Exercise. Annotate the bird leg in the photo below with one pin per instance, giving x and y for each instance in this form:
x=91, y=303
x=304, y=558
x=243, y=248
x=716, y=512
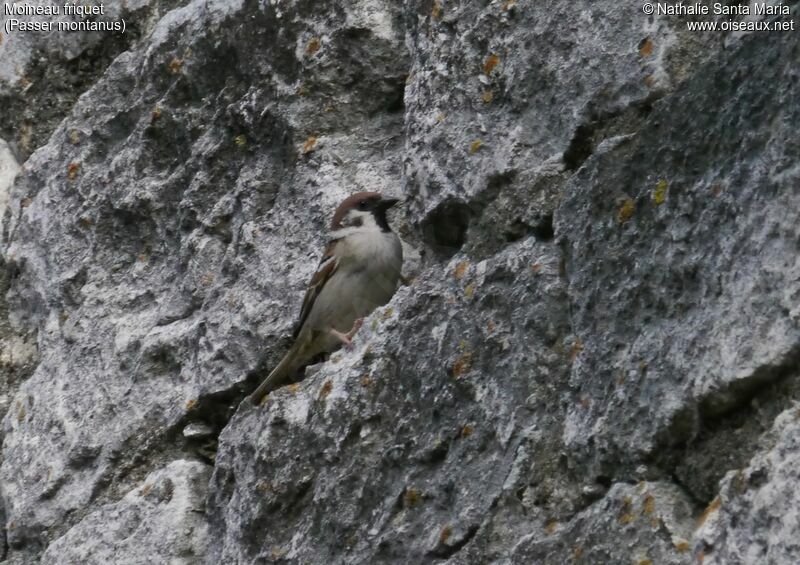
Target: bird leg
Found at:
x=347, y=339
x=356, y=326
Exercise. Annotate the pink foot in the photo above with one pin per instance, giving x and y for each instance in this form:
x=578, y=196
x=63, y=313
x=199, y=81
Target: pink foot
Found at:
x=356, y=326
x=347, y=339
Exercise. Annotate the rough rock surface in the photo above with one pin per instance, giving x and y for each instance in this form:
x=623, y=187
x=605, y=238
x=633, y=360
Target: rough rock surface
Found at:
x=600, y=339
x=160, y=522
x=755, y=516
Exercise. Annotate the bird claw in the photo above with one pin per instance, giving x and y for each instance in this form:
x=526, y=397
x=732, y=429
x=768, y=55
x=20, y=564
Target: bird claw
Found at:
x=356, y=326
x=347, y=339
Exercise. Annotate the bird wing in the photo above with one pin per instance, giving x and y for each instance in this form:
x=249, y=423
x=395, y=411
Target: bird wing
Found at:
x=327, y=266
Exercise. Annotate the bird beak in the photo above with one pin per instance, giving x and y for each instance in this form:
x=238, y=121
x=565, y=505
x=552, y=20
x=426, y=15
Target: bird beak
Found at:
x=387, y=203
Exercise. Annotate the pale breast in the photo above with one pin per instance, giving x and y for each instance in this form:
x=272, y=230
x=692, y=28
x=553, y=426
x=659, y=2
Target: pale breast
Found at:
x=366, y=277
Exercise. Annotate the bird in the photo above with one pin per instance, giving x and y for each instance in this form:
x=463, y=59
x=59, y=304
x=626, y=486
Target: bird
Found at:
x=360, y=270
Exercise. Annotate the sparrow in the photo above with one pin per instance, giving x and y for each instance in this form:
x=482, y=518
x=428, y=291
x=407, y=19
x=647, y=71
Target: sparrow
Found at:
x=359, y=271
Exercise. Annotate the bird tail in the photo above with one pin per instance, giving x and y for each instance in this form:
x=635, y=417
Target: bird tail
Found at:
x=278, y=375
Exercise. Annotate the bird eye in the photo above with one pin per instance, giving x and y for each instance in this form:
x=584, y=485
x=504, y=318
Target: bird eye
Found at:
x=362, y=205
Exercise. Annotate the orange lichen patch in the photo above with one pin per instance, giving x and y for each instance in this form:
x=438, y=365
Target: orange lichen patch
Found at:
x=314, y=44
x=240, y=140
x=551, y=526
x=644, y=561
x=263, y=486
x=716, y=189
x=626, y=211
x=508, y=4
x=278, y=554
x=461, y=270
x=26, y=137
x=649, y=81
x=366, y=381
x=462, y=364
x=445, y=534
x=660, y=193
x=293, y=388
x=576, y=349
x=625, y=518
x=646, y=47
x=411, y=497
x=142, y=257
x=475, y=146
x=740, y=482
x=490, y=63
x=536, y=267
x=85, y=222
x=649, y=505
x=681, y=545
x=490, y=326
x=487, y=96
x=578, y=552
x=710, y=509
x=467, y=431
x=25, y=202
x=72, y=170
x=625, y=515
x=309, y=144
x=175, y=65
x=585, y=402
x=469, y=291
x=325, y=390
x=191, y=404
x=436, y=11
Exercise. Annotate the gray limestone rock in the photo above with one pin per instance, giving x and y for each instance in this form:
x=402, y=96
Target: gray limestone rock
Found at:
x=42, y=73
x=602, y=321
x=680, y=245
x=161, y=521
x=755, y=516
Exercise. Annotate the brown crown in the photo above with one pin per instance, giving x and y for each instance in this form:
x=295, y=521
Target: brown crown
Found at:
x=349, y=203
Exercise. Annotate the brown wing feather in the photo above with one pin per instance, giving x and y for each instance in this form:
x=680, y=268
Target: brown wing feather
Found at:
x=315, y=285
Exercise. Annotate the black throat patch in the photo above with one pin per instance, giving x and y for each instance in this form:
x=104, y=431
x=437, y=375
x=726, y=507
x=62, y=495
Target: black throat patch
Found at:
x=380, y=219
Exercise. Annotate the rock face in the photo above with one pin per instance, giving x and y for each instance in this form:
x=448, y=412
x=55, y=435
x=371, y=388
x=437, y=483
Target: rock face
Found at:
x=596, y=359
x=160, y=522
